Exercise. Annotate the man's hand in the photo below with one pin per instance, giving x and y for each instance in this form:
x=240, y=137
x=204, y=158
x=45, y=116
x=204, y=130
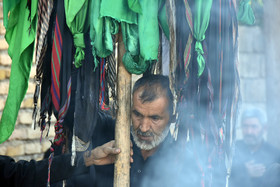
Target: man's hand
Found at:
x=255, y=170
x=104, y=154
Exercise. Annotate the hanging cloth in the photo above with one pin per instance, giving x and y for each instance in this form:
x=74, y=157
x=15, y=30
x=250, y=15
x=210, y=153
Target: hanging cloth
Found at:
x=61, y=65
x=148, y=30
x=142, y=40
x=188, y=48
x=139, y=21
x=162, y=17
x=44, y=13
x=245, y=13
x=119, y=10
x=86, y=103
x=8, y=5
x=131, y=58
x=20, y=35
x=76, y=15
x=101, y=31
x=201, y=20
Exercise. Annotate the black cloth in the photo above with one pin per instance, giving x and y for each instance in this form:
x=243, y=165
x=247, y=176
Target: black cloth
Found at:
x=103, y=133
x=266, y=155
x=169, y=166
x=87, y=96
x=35, y=173
x=150, y=172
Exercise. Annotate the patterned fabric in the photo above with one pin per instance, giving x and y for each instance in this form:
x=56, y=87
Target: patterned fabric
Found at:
x=55, y=66
x=187, y=52
x=102, y=99
x=44, y=14
x=61, y=62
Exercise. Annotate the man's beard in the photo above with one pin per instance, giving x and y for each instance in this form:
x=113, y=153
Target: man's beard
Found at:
x=252, y=140
x=148, y=145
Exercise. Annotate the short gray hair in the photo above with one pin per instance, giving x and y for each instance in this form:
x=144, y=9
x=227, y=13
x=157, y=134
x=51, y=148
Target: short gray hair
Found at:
x=254, y=113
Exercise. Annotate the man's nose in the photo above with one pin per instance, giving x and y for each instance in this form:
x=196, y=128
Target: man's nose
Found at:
x=249, y=130
x=145, y=125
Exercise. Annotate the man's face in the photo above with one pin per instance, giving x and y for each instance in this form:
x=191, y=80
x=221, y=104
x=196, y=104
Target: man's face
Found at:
x=150, y=121
x=252, y=131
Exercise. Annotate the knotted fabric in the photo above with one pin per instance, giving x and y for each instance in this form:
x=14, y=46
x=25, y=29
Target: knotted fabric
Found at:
x=76, y=14
x=201, y=20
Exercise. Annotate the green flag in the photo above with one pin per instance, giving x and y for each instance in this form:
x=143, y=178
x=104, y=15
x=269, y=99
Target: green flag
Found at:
x=20, y=35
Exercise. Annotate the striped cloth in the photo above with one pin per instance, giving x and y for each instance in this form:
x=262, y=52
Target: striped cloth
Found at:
x=45, y=8
x=102, y=99
x=188, y=52
x=55, y=66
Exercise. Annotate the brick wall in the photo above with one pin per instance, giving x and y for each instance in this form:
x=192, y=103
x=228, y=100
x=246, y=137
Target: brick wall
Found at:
x=252, y=68
x=24, y=143
x=259, y=72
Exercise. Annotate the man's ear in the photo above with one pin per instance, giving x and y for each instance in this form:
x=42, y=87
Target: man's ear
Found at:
x=264, y=127
x=172, y=119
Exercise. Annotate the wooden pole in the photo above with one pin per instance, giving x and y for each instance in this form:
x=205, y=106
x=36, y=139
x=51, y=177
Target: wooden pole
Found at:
x=122, y=132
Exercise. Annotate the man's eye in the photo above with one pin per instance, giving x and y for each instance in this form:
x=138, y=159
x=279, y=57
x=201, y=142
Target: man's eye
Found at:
x=137, y=114
x=155, y=118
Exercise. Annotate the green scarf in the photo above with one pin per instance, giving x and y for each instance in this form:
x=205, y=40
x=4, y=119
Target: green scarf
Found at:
x=20, y=35
x=245, y=13
x=101, y=31
x=76, y=14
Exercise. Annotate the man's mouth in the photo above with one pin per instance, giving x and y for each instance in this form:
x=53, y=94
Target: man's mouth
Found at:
x=147, y=136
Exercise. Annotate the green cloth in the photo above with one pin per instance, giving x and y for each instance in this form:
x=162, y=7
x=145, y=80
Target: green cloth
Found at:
x=163, y=20
x=101, y=30
x=245, y=12
x=139, y=22
x=132, y=61
x=20, y=35
x=8, y=5
x=135, y=6
x=139, y=55
x=119, y=10
x=201, y=20
x=76, y=15
x=148, y=30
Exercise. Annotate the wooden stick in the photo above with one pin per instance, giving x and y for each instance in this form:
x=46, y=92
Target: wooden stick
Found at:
x=122, y=132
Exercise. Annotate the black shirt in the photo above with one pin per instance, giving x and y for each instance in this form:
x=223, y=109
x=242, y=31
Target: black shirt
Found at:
x=266, y=155
x=35, y=173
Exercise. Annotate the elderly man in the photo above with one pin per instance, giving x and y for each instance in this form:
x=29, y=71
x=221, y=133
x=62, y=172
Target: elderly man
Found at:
x=255, y=161
x=154, y=159
x=151, y=116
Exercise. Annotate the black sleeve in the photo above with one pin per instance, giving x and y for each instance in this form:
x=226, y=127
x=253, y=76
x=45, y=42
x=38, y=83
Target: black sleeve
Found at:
x=35, y=173
x=21, y=173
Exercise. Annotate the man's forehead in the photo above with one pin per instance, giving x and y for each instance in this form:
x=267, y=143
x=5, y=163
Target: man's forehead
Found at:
x=251, y=121
x=157, y=91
